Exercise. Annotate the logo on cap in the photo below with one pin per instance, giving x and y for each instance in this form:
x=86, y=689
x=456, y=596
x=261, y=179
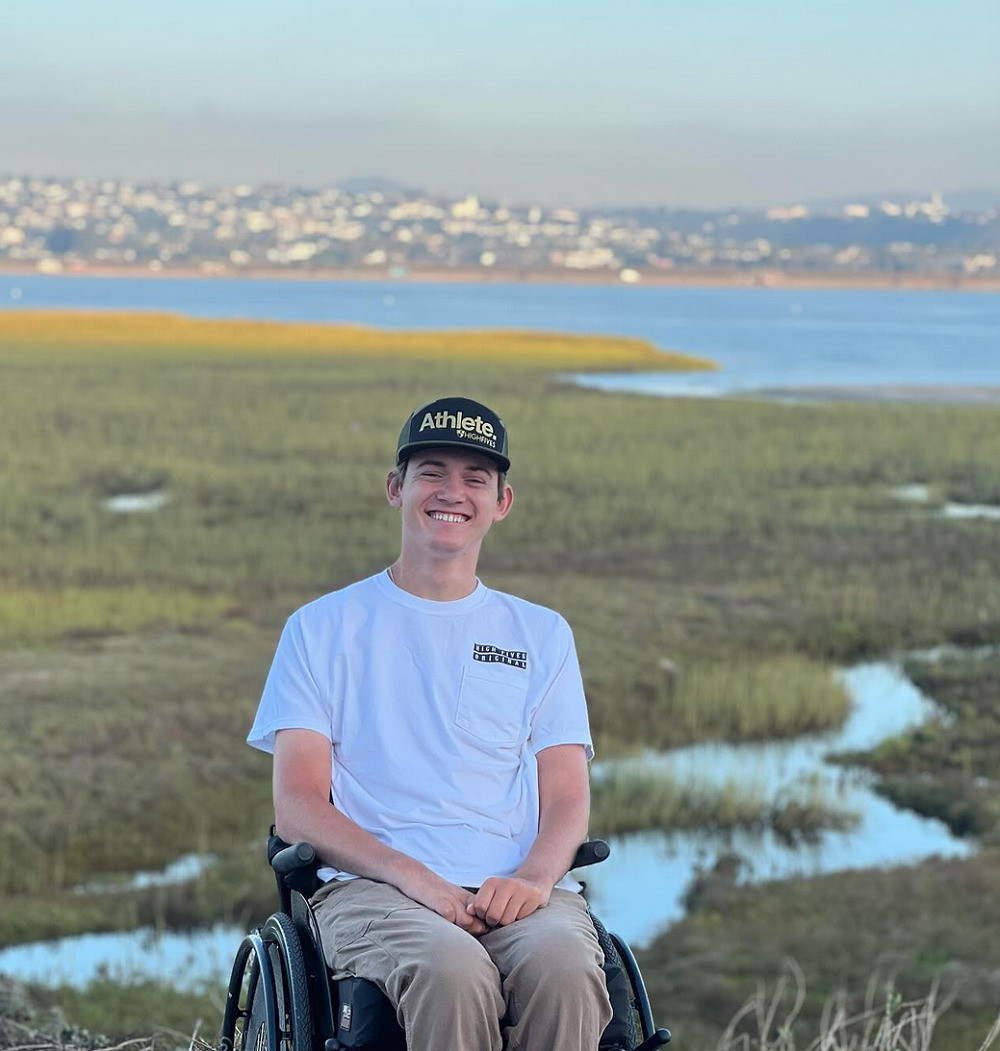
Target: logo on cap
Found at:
x=473, y=427
x=459, y=422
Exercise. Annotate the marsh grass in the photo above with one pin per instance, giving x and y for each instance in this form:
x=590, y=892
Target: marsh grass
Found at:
x=737, y=699
x=124, y=752
x=30, y=615
x=750, y=545
x=884, y=1022
x=139, y=333
x=754, y=546
x=624, y=801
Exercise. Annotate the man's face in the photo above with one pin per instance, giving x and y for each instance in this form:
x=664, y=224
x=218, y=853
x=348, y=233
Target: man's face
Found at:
x=448, y=499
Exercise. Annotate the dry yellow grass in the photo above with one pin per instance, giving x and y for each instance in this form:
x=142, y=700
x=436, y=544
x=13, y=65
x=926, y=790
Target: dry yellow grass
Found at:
x=138, y=332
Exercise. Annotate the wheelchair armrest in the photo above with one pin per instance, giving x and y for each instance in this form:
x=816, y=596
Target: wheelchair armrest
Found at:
x=590, y=852
x=295, y=866
x=290, y=859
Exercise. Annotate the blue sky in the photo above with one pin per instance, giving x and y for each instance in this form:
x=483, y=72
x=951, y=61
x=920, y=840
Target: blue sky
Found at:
x=650, y=101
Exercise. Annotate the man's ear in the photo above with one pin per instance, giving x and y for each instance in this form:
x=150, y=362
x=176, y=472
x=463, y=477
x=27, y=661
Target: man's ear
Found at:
x=504, y=504
x=392, y=490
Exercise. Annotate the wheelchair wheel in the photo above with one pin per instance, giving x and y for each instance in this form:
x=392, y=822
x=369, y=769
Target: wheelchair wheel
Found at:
x=267, y=1008
x=623, y=1031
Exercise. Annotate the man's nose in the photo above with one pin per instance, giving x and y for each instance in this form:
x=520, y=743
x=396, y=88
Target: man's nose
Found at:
x=450, y=490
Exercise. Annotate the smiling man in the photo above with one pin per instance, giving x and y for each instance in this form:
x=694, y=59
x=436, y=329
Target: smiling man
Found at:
x=447, y=724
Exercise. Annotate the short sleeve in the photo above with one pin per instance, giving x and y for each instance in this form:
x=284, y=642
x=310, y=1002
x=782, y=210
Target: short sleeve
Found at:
x=292, y=698
x=561, y=715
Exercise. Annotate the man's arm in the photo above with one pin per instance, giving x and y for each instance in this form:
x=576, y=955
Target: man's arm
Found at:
x=563, y=814
x=302, y=810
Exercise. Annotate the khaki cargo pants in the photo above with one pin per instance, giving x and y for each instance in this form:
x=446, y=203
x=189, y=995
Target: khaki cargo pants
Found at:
x=534, y=985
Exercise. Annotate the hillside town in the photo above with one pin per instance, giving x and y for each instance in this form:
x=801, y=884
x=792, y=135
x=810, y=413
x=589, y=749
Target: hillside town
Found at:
x=66, y=225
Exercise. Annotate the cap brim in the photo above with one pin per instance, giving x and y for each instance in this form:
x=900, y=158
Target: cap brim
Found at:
x=408, y=450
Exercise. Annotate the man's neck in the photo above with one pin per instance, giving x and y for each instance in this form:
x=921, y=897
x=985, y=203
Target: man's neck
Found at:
x=443, y=581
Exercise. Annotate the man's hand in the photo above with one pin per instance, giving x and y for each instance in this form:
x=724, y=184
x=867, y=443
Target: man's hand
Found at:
x=503, y=899
x=444, y=898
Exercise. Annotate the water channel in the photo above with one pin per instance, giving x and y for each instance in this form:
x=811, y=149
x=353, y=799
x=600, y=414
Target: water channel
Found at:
x=641, y=888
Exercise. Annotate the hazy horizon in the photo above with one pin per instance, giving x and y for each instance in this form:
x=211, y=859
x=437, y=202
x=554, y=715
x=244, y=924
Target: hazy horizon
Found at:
x=645, y=104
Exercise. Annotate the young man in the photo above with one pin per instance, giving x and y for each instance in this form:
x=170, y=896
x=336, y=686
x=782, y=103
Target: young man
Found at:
x=447, y=723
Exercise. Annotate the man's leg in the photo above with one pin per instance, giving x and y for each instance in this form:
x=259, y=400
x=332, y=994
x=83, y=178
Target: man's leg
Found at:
x=440, y=978
x=552, y=978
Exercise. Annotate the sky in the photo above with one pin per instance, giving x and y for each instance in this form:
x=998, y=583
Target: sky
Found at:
x=623, y=102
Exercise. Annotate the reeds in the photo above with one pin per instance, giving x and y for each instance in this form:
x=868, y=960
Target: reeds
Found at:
x=624, y=801
x=885, y=1022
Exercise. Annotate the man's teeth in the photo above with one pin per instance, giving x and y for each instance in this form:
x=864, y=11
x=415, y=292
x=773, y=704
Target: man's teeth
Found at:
x=440, y=516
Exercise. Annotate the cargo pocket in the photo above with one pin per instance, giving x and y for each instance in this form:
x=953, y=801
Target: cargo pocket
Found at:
x=491, y=708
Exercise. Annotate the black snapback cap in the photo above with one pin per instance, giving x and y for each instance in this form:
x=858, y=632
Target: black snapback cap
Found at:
x=459, y=422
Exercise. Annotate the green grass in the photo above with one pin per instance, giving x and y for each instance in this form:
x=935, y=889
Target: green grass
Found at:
x=29, y=615
x=123, y=752
x=741, y=698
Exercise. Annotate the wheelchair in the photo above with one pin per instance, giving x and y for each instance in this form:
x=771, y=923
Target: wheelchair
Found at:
x=282, y=996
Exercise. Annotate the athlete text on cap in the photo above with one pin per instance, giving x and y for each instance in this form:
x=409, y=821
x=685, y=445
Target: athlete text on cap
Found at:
x=441, y=420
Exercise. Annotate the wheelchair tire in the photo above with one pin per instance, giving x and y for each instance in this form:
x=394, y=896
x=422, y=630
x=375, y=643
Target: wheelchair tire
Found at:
x=276, y=984
x=622, y=1032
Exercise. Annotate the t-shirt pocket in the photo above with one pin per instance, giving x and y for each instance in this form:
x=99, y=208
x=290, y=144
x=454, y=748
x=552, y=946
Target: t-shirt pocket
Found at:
x=491, y=708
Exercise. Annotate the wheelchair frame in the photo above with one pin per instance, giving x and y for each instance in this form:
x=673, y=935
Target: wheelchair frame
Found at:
x=282, y=998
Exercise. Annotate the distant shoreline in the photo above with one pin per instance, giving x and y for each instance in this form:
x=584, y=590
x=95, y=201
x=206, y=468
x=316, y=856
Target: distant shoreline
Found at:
x=721, y=278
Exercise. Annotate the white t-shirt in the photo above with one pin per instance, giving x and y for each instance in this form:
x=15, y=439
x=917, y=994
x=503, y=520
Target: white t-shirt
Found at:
x=435, y=711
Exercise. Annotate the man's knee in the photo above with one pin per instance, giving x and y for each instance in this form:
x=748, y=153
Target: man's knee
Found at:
x=564, y=965
x=557, y=973
x=454, y=969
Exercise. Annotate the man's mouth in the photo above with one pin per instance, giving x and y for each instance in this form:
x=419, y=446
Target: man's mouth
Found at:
x=448, y=516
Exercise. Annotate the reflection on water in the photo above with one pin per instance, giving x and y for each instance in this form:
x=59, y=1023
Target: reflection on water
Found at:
x=188, y=961
x=641, y=888
x=916, y=493
x=971, y=511
x=131, y=503
x=921, y=494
